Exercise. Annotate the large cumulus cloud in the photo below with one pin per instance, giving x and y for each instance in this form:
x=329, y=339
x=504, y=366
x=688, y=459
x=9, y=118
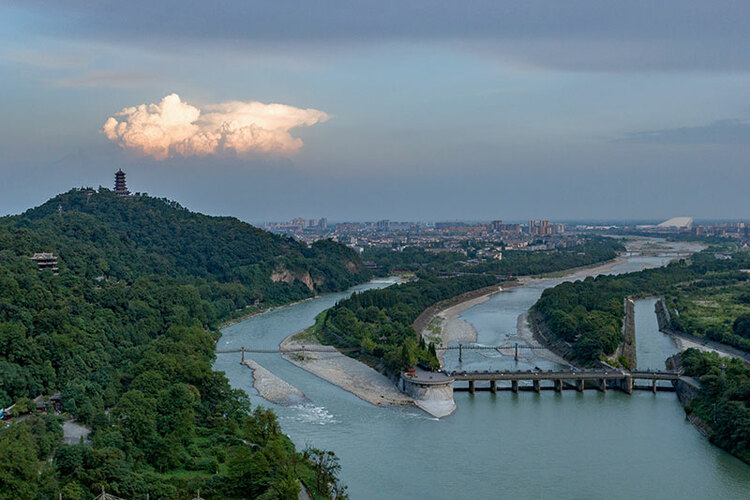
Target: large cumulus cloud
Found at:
x=173, y=127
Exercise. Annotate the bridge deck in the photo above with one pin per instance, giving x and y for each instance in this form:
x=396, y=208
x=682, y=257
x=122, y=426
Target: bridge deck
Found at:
x=565, y=387
x=563, y=375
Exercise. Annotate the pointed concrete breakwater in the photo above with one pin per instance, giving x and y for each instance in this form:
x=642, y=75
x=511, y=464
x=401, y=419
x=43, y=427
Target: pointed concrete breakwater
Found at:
x=432, y=391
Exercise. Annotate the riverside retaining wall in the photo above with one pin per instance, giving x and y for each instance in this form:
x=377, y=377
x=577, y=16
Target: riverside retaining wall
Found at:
x=628, y=329
x=663, y=318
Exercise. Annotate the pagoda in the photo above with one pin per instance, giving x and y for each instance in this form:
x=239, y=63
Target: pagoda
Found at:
x=121, y=187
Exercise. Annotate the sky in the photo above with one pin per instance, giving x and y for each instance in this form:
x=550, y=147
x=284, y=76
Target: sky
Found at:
x=362, y=110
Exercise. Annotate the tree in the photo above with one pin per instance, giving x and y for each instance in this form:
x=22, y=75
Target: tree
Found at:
x=741, y=326
x=408, y=359
x=136, y=414
x=18, y=463
x=326, y=466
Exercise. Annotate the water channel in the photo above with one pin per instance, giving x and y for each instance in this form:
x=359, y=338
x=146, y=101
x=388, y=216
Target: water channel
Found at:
x=568, y=445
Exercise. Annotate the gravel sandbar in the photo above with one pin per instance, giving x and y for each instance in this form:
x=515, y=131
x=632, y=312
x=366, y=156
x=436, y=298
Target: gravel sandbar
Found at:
x=345, y=372
x=272, y=388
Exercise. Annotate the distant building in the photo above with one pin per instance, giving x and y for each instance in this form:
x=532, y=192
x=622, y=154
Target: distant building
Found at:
x=540, y=227
x=677, y=223
x=347, y=227
x=46, y=260
x=510, y=228
x=496, y=225
x=383, y=225
x=121, y=187
x=446, y=225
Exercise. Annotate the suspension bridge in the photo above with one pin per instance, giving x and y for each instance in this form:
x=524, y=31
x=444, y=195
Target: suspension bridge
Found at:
x=344, y=350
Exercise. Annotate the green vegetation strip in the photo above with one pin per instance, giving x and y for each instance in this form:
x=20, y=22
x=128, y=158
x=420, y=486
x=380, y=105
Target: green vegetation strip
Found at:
x=723, y=403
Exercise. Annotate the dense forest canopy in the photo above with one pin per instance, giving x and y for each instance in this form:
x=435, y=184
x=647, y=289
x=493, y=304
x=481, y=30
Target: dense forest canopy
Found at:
x=126, y=334
x=724, y=399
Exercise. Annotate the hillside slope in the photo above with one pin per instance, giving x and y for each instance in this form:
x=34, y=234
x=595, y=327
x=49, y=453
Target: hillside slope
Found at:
x=100, y=233
x=126, y=333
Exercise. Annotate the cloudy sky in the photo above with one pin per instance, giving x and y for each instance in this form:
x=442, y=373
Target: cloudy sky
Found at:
x=417, y=110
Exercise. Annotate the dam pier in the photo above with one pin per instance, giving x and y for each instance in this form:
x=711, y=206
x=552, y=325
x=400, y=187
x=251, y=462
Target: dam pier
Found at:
x=560, y=380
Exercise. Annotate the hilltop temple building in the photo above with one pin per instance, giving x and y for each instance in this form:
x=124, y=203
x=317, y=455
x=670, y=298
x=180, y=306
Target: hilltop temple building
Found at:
x=46, y=260
x=121, y=187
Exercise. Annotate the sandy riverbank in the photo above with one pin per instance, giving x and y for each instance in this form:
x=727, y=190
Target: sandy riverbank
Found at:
x=527, y=335
x=272, y=388
x=343, y=371
x=453, y=329
x=709, y=346
x=445, y=325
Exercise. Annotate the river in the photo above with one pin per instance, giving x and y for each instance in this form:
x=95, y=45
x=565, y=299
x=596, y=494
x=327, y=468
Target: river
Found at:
x=527, y=445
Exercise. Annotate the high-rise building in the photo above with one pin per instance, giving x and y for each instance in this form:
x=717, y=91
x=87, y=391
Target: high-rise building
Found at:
x=121, y=187
x=540, y=227
x=496, y=225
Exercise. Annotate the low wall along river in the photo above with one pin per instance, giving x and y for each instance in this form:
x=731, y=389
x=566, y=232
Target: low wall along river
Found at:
x=525, y=445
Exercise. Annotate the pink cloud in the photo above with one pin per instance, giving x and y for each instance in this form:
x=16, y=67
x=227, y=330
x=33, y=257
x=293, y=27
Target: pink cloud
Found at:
x=173, y=127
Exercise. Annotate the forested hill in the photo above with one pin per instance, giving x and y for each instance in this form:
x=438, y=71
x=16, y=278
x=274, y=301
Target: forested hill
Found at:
x=100, y=234
x=125, y=333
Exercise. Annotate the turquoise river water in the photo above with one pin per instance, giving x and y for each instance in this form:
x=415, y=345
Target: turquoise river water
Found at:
x=526, y=445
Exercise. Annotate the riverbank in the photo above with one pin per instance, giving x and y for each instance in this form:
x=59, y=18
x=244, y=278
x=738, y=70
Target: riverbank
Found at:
x=686, y=340
x=342, y=371
x=442, y=324
x=526, y=333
